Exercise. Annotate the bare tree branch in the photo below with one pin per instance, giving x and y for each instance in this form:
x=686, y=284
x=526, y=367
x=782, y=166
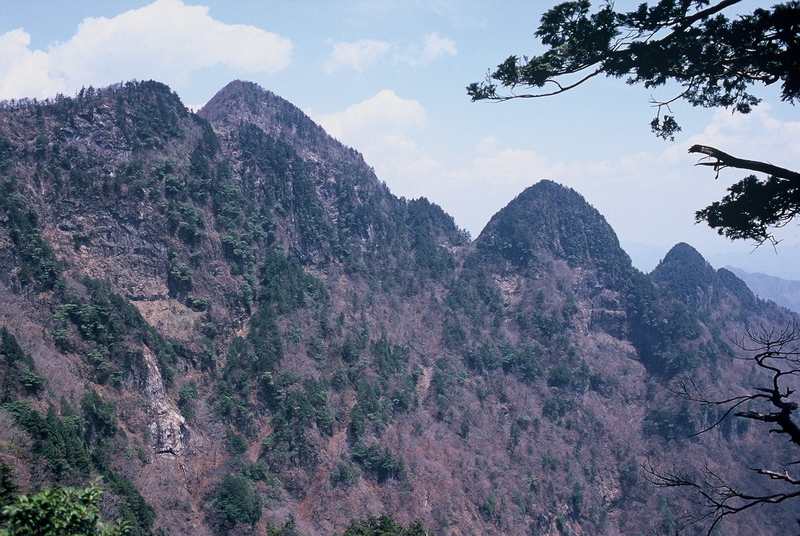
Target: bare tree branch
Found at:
x=779, y=476
x=724, y=160
x=776, y=352
x=713, y=494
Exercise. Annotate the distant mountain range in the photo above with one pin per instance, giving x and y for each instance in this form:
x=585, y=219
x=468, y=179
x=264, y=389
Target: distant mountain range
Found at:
x=784, y=292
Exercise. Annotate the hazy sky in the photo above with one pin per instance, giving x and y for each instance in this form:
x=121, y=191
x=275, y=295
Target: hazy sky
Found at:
x=387, y=77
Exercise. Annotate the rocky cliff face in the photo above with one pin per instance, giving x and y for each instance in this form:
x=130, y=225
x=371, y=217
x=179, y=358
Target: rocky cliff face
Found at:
x=233, y=321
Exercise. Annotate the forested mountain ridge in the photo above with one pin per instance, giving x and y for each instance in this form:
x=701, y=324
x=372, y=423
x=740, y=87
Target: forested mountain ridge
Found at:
x=784, y=292
x=233, y=321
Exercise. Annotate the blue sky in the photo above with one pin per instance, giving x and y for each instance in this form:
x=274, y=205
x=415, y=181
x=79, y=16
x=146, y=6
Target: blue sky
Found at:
x=387, y=77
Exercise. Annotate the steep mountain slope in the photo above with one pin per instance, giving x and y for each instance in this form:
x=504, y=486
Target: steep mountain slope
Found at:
x=233, y=321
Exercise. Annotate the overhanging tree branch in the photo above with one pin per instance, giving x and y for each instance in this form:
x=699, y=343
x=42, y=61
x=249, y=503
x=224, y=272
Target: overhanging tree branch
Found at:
x=561, y=89
x=753, y=207
x=779, y=355
x=724, y=160
x=704, y=14
x=715, y=58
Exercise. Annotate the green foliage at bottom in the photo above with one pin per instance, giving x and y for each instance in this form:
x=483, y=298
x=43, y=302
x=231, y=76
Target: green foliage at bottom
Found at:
x=136, y=513
x=59, y=443
x=57, y=511
x=235, y=500
x=8, y=488
x=383, y=526
x=18, y=374
x=379, y=464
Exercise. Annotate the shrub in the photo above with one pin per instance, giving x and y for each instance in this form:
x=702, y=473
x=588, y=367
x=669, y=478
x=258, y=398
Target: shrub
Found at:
x=489, y=507
x=382, y=526
x=20, y=368
x=378, y=464
x=234, y=443
x=57, y=511
x=187, y=393
x=235, y=500
x=8, y=488
x=344, y=475
x=557, y=406
x=668, y=424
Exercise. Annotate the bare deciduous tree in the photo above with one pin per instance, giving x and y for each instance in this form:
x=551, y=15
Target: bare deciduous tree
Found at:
x=777, y=355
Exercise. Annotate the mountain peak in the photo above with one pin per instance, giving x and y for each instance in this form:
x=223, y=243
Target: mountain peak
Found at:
x=553, y=218
x=241, y=101
x=238, y=93
x=696, y=283
x=246, y=103
x=683, y=252
x=683, y=267
x=685, y=272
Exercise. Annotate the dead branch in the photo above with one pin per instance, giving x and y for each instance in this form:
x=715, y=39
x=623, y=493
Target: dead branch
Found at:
x=723, y=160
x=777, y=353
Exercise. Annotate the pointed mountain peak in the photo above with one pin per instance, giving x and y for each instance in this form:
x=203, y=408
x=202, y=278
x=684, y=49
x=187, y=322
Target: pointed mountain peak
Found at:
x=683, y=253
x=696, y=283
x=241, y=101
x=246, y=103
x=549, y=217
x=238, y=95
x=683, y=269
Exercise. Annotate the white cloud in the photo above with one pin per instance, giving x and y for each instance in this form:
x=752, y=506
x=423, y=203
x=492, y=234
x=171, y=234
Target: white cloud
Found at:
x=508, y=168
x=23, y=72
x=165, y=40
x=382, y=119
x=355, y=56
x=359, y=55
x=384, y=129
x=388, y=130
x=432, y=48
